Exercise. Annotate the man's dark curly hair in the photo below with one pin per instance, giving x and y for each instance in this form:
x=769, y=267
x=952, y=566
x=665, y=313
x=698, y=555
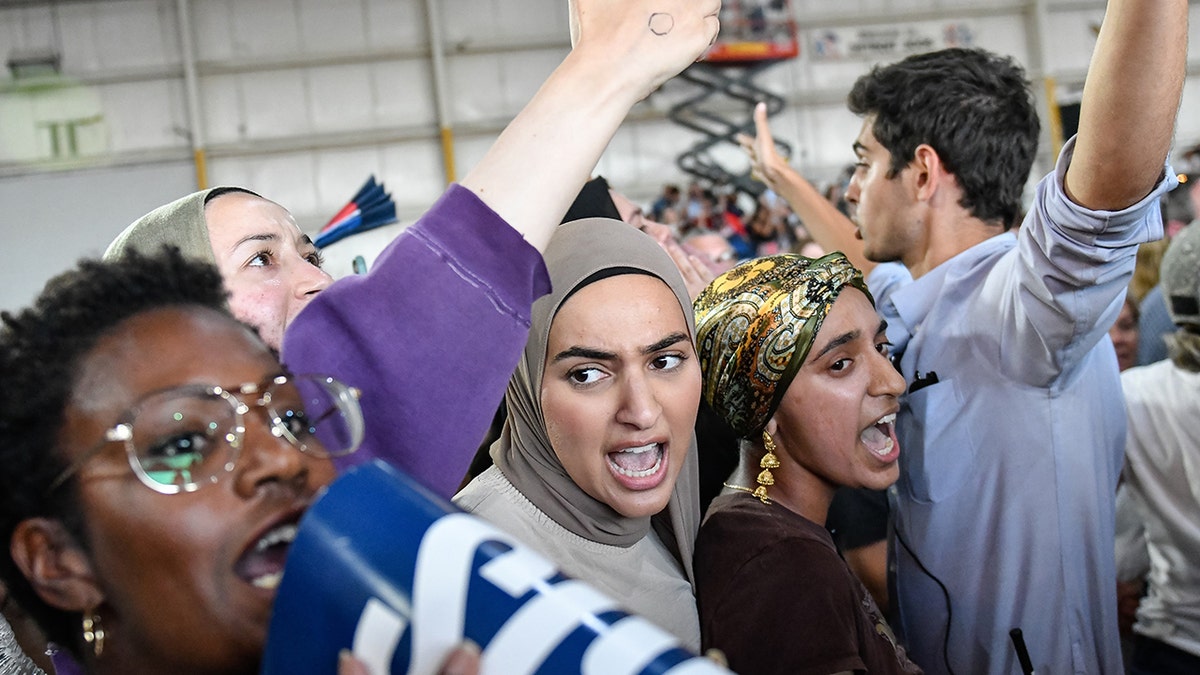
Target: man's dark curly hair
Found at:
x=41, y=350
x=973, y=107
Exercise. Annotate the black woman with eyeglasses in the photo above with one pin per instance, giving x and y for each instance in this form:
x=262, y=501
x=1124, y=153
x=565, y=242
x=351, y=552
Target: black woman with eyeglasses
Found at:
x=157, y=458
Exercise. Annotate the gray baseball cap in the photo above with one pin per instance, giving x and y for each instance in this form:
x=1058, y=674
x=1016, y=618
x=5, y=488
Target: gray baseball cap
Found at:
x=1180, y=277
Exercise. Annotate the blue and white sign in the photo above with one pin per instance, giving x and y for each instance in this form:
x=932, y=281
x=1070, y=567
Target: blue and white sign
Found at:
x=382, y=566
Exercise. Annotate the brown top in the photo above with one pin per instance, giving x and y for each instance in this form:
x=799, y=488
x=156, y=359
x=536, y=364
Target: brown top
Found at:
x=776, y=597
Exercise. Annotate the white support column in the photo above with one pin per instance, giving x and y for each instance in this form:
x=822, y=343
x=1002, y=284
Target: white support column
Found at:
x=191, y=88
x=437, y=56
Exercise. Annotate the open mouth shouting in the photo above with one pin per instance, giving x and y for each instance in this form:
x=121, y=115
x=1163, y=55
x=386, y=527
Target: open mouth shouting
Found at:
x=640, y=467
x=880, y=438
x=261, y=564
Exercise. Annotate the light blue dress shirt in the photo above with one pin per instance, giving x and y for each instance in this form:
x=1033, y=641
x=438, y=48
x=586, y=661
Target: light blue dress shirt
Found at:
x=1003, y=514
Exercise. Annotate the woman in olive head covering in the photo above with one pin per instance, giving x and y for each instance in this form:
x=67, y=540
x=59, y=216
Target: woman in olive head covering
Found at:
x=271, y=268
x=595, y=466
x=796, y=361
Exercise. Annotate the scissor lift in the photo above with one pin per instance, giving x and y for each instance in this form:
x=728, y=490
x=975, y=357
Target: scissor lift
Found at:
x=755, y=35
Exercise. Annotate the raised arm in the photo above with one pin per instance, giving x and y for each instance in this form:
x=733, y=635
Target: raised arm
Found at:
x=829, y=227
x=1127, y=117
x=623, y=50
x=433, y=332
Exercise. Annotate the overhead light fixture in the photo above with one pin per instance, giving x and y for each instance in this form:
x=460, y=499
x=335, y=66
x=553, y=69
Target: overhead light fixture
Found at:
x=26, y=64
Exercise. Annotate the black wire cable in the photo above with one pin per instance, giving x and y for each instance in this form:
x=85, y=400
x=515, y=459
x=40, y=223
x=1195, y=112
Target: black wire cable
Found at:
x=945, y=594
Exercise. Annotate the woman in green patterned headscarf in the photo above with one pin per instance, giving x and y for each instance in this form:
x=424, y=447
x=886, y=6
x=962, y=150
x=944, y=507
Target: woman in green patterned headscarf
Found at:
x=795, y=359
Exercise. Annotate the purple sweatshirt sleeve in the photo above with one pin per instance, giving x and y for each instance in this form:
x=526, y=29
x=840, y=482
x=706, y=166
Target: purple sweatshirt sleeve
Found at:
x=64, y=664
x=430, y=335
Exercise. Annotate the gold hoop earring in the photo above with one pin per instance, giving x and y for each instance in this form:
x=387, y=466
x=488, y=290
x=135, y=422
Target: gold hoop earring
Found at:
x=93, y=633
x=768, y=462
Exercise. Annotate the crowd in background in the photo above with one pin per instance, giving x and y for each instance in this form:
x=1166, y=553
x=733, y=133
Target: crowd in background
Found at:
x=753, y=225
x=680, y=407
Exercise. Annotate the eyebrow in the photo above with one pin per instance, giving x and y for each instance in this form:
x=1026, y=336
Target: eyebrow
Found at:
x=848, y=337
x=265, y=236
x=858, y=148
x=838, y=342
x=673, y=338
x=600, y=355
x=304, y=239
x=584, y=353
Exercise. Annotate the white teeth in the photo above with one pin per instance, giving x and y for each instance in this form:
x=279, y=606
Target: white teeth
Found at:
x=886, y=449
x=268, y=581
x=284, y=534
x=652, y=447
x=640, y=474
x=877, y=437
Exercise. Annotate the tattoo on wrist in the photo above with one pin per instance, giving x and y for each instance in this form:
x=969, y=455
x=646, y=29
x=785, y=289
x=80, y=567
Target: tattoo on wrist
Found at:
x=661, y=23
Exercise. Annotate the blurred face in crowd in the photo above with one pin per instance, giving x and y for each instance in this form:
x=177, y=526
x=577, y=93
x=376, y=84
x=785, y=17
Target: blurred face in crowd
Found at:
x=620, y=391
x=271, y=268
x=1124, y=334
x=632, y=214
x=716, y=251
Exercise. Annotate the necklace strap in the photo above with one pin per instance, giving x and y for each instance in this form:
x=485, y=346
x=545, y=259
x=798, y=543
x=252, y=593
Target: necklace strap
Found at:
x=762, y=497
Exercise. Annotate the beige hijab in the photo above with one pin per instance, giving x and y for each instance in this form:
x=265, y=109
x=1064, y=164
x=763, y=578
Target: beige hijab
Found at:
x=579, y=253
x=180, y=223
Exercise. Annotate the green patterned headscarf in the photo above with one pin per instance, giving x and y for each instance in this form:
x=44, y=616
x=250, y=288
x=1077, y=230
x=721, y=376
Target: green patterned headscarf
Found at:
x=755, y=325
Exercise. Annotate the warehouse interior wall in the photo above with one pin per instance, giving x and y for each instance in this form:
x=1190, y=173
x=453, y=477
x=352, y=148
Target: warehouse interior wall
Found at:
x=111, y=107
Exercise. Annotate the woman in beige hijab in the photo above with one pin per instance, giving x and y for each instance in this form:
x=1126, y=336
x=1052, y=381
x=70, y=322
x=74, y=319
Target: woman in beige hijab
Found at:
x=595, y=467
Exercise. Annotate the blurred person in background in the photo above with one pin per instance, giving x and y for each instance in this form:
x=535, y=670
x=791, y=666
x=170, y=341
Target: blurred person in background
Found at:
x=1162, y=477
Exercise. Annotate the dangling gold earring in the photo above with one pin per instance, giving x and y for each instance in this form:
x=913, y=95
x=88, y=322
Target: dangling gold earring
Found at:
x=769, y=461
x=93, y=633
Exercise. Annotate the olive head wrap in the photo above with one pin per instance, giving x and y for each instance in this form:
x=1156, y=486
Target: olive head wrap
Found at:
x=755, y=325
x=180, y=224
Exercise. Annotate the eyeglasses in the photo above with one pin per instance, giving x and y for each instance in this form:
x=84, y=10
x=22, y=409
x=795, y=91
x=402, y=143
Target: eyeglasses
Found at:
x=180, y=439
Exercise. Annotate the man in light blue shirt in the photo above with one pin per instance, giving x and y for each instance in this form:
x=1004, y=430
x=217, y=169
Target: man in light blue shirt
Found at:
x=1011, y=431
